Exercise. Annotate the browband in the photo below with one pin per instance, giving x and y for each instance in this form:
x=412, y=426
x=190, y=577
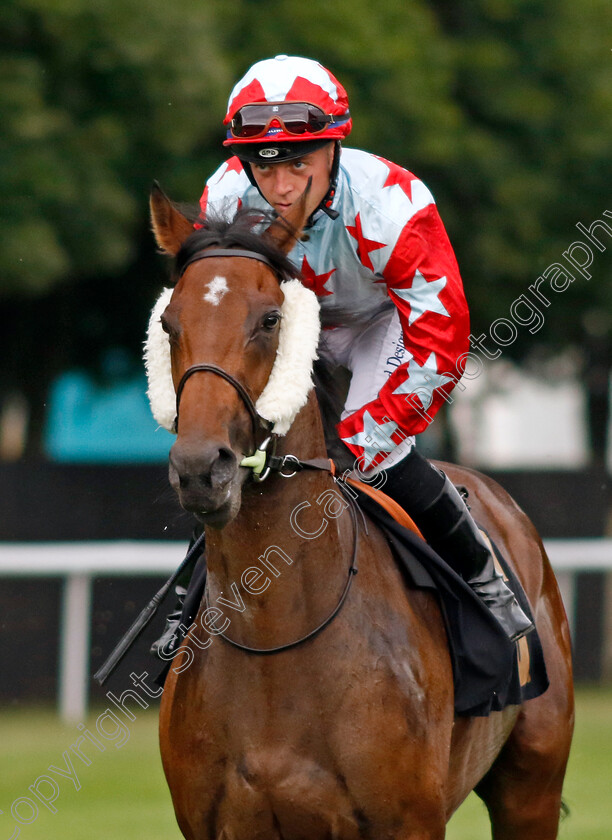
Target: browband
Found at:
x=227, y=252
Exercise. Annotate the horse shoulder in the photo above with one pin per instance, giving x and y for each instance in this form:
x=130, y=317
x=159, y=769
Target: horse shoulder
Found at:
x=403, y=628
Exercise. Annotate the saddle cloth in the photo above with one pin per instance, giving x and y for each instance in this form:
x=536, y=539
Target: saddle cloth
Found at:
x=489, y=671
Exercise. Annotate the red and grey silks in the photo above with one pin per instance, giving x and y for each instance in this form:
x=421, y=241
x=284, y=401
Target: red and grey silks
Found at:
x=386, y=250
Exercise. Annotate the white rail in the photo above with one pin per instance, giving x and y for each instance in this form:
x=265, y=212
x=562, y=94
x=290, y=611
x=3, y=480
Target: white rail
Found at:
x=79, y=563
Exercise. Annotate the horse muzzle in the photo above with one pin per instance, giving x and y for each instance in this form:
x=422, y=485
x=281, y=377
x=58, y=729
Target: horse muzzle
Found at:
x=207, y=481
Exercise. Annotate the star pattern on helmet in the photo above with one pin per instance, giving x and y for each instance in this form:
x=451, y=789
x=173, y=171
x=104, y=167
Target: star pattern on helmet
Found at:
x=364, y=246
x=315, y=282
x=422, y=380
x=287, y=78
x=374, y=439
x=423, y=296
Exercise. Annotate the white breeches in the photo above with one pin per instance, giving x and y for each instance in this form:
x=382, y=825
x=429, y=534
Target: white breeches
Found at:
x=371, y=353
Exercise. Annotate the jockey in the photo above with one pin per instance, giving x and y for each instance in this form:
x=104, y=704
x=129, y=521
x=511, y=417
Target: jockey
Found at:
x=377, y=256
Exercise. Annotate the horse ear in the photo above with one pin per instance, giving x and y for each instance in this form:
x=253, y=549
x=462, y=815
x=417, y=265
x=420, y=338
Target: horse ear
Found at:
x=285, y=230
x=170, y=227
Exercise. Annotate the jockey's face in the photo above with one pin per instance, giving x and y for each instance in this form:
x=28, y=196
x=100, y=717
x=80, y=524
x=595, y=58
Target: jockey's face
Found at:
x=281, y=184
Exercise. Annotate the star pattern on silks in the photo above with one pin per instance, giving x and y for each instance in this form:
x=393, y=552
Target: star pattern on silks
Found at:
x=422, y=381
x=374, y=439
x=234, y=164
x=401, y=177
x=364, y=246
x=315, y=282
x=423, y=296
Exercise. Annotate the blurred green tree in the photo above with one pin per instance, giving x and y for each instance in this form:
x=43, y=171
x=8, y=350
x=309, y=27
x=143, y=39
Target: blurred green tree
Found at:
x=97, y=99
x=532, y=81
x=504, y=107
x=501, y=106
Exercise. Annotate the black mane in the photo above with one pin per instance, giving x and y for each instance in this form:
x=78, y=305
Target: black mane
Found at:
x=244, y=231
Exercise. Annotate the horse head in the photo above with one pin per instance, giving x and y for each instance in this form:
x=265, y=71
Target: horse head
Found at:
x=212, y=352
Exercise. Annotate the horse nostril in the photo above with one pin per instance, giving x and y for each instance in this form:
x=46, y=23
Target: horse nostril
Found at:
x=223, y=467
x=226, y=457
x=204, y=470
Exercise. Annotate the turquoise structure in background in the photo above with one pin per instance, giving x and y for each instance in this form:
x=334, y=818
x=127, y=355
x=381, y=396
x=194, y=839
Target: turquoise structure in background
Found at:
x=92, y=422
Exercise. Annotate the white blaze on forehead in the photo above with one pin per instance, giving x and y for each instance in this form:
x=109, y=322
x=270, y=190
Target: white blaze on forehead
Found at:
x=291, y=378
x=216, y=289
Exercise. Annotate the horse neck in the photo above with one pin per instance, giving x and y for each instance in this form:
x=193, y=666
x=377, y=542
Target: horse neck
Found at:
x=303, y=576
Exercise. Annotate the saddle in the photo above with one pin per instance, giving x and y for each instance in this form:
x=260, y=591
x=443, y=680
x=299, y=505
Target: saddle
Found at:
x=490, y=672
x=395, y=510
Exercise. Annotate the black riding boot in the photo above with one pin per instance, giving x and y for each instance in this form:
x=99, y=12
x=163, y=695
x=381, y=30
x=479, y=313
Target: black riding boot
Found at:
x=186, y=599
x=441, y=515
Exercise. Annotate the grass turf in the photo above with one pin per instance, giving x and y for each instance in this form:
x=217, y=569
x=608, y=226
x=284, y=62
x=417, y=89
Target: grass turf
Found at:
x=122, y=792
x=588, y=783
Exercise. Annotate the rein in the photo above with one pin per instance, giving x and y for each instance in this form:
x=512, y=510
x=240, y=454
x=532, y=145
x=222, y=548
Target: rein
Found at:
x=262, y=462
x=352, y=571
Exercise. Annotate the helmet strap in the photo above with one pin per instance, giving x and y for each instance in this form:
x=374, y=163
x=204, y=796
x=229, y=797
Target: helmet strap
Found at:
x=326, y=204
x=249, y=173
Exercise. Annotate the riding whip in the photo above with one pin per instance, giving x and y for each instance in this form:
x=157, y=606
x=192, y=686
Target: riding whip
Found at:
x=145, y=616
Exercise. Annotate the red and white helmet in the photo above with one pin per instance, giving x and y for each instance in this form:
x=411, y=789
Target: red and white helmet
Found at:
x=284, y=107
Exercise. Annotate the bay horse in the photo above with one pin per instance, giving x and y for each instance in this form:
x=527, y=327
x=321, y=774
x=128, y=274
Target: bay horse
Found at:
x=351, y=734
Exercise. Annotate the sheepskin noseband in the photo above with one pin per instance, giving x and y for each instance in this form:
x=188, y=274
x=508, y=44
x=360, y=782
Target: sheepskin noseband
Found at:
x=290, y=381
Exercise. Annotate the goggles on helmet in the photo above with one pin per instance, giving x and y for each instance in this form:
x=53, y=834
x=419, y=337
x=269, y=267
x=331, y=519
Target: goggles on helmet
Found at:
x=295, y=118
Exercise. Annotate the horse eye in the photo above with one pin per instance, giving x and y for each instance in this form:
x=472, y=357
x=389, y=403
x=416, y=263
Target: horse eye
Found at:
x=168, y=329
x=271, y=320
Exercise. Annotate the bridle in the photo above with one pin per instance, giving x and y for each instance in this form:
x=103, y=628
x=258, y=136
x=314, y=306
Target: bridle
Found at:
x=256, y=420
x=272, y=462
x=262, y=463
x=227, y=252
x=277, y=464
